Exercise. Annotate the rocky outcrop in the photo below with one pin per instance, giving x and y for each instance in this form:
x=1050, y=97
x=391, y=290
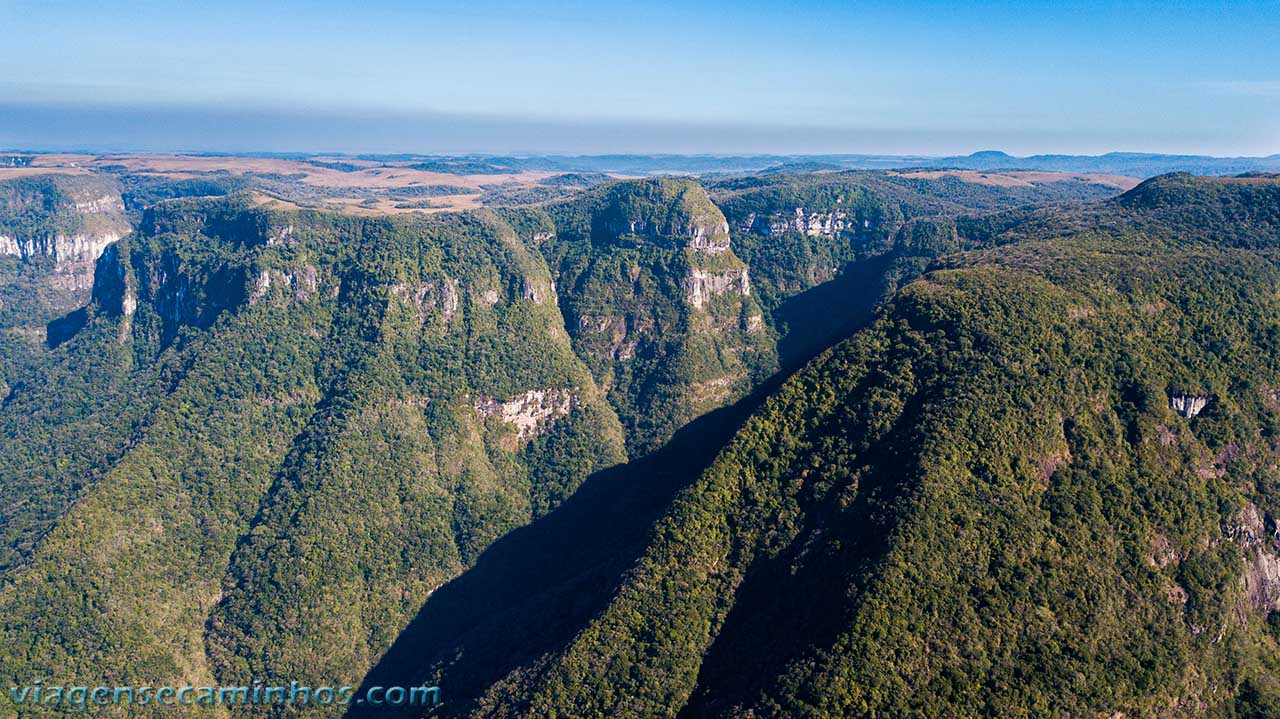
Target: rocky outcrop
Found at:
x=658, y=303
x=63, y=249
x=129, y=275
x=280, y=235
x=300, y=283
x=65, y=224
x=70, y=220
x=535, y=290
x=1189, y=405
x=434, y=297
x=1262, y=582
x=803, y=221
x=711, y=238
x=529, y=414
x=666, y=212
x=1262, y=568
x=701, y=286
x=113, y=290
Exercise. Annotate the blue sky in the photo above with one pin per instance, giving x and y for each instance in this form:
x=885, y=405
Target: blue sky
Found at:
x=569, y=76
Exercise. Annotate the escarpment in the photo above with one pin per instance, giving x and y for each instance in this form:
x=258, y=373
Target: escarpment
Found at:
x=987, y=499
x=55, y=228
x=307, y=403
x=671, y=213
x=280, y=434
x=657, y=302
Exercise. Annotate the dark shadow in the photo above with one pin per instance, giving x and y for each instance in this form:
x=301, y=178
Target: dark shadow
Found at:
x=532, y=590
x=65, y=327
x=824, y=571
x=820, y=317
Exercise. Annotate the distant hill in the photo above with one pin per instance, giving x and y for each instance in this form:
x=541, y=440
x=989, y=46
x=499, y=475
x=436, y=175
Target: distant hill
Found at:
x=1135, y=164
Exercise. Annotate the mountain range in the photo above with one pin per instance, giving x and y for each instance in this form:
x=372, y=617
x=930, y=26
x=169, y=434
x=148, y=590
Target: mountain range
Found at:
x=811, y=442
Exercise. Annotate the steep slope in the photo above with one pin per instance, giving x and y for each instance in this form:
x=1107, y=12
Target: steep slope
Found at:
x=679, y=307
x=1042, y=483
x=658, y=305
x=52, y=229
x=325, y=417
x=276, y=434
x=59, y=225
x=800, y=230
x=826, y=248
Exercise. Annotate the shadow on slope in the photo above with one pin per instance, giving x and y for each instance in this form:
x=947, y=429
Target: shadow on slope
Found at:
x=531, y=591
x=825, y=314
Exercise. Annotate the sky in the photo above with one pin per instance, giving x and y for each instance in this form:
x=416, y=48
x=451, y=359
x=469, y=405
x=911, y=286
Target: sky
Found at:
x=502, y=76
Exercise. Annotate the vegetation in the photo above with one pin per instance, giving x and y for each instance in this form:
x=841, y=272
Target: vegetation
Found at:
x=626, y=258
x=277, y=438
x=982, y=504
x=251, y=418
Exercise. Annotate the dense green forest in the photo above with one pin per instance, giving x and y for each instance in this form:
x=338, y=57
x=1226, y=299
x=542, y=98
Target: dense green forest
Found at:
x=258, y=396
x=990, y=501
x=577, y=457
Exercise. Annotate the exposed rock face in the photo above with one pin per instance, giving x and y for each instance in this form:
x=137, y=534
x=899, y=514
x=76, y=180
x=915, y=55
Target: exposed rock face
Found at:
x=130, y=274
x=813, y=224
x=710, y=238
x=431, y=297
x=92, y=219
x=66, y=222
x=1262, y=582
x=62, y=248
x=646, y=274
x=531, y=413
x=280, y=236
x=73, y=257
x=300, y=283
x=1189, y=405
x=112, y=290
x=1262, y=572
x=670, y=213
x=535, y=291
x=700, y=286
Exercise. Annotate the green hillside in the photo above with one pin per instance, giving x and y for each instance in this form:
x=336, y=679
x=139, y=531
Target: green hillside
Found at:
x=269, y=437
x=658, y=304
x=1042, y=482
x=304, y=398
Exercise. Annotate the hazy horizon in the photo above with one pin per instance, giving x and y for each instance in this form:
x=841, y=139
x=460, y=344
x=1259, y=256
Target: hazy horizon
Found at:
x=497, y=77
x=107, y=129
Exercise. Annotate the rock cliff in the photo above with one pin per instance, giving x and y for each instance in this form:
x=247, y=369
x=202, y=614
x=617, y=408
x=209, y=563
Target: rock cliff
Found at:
x=57, y=227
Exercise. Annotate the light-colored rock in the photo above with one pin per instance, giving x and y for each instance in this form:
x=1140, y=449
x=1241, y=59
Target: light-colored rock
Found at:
x=61, y=248
x=431, y=296
x=531, y=413
x=280, y=236
x=710, y=239
x=1262, y=582
x=1189, y=405
x=700, y=286
x=801, y=220
x=533, y=291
